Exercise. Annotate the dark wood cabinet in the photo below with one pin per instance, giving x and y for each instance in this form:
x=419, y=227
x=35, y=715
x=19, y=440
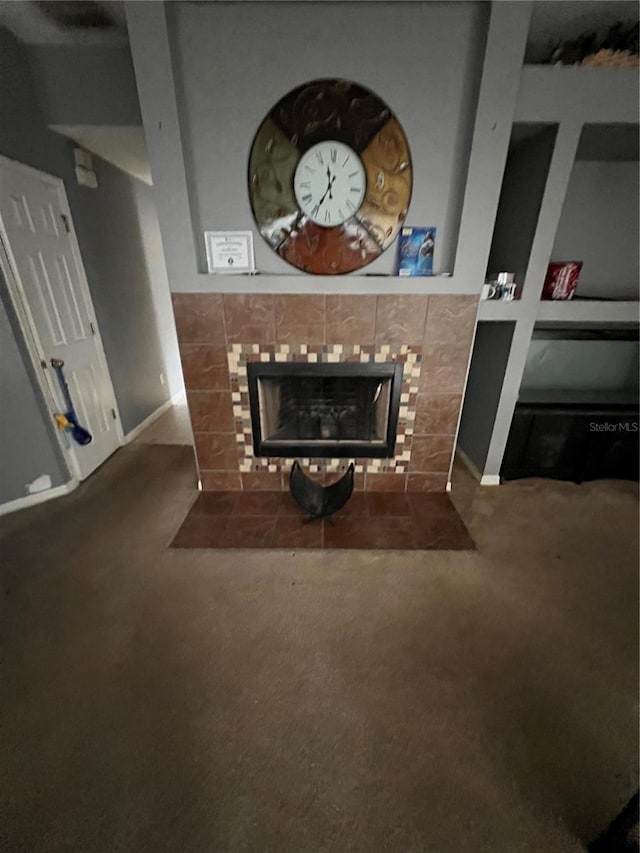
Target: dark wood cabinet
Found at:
x=576, y=442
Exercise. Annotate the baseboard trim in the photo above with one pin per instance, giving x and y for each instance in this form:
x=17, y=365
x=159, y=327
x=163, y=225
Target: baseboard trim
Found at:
x=38, y=498
x=483, y=479
x=176, y=400
x=490, y=480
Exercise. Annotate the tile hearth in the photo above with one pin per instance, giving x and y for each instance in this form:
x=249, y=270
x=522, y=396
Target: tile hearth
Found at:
x=380, y=521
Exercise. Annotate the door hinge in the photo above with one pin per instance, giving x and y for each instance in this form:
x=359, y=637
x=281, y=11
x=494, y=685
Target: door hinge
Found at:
x=65, y=222
x=92, y=327
x=113, y=414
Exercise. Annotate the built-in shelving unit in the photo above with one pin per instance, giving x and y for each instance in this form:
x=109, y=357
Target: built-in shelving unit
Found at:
x=559, y=93
x=574, y=132
x=571, y=311
x=498, y=309
x=589, y=311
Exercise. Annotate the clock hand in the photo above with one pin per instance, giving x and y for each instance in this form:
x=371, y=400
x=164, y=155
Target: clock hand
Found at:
x=327, y=192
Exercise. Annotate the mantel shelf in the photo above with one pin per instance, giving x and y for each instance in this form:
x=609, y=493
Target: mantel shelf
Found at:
x=552, y=93
x=329, y=284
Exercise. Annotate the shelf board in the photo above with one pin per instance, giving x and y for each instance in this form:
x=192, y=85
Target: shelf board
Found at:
x=588, y=311
x=555, y=93
x=339, y=284
x=500, y=309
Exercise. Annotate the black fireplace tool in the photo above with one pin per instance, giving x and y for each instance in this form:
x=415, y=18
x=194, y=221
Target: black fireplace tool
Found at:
x=316, y=500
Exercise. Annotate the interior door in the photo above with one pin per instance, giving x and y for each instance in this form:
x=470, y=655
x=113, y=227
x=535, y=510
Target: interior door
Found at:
x=45, y=264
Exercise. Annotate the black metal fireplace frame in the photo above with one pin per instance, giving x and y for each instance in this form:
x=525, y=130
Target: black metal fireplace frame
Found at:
x=392, y=370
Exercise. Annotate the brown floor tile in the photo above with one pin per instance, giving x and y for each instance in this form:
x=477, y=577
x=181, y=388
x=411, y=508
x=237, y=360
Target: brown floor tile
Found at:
x=388, y=504
x=247, y=531
x=426, y=482
x=293, y=532
x=216, y=503
x=213, y=481
x=371, y=533
x=200, y=531
x=427, y=505
x=368, y=521
x=356, y=506
x=259, y=503
x=288, y=506
x=262, y=481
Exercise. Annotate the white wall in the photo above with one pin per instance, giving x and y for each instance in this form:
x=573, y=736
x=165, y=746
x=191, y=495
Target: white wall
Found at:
x=234, y=61
x=599, y=226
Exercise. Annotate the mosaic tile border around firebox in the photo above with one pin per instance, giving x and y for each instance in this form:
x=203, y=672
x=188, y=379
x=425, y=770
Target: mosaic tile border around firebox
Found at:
x=239, y=354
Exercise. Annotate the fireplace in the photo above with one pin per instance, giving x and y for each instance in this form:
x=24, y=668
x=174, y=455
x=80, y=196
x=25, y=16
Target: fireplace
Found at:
x=324, y=409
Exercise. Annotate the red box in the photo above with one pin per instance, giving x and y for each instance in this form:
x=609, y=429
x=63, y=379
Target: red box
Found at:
x=561, y=280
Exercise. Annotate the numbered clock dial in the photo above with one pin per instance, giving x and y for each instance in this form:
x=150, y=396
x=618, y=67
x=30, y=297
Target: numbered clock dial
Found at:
x=330, y=177
x=329, y=183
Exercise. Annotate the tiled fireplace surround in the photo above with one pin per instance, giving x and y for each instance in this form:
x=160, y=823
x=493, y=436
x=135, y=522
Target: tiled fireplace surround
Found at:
x=433, y=332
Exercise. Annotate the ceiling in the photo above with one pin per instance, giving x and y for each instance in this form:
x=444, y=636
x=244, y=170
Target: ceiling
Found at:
x=60, y=22
x=122, y=146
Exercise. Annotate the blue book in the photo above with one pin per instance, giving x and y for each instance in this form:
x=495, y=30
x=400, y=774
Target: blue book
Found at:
x=415, y=251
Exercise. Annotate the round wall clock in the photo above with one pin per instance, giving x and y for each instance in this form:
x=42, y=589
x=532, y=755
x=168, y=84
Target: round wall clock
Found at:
x=330, y=177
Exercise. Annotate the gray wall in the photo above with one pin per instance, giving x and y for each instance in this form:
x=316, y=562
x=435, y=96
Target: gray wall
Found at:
x=233, y=62
x=486, y=373
x=521, y=194
x=120, y=266
x=32, y=449
x=121, y=277
x=27, y=447
x=85, y=85
x=599, y=226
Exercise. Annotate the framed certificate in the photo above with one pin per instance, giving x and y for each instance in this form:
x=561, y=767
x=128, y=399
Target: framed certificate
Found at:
x=229, y=252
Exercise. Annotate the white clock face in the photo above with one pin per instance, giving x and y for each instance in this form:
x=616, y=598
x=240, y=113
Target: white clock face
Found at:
x=329, y=183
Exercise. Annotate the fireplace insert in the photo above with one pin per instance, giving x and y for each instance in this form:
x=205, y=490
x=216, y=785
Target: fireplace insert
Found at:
x=324, y=410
